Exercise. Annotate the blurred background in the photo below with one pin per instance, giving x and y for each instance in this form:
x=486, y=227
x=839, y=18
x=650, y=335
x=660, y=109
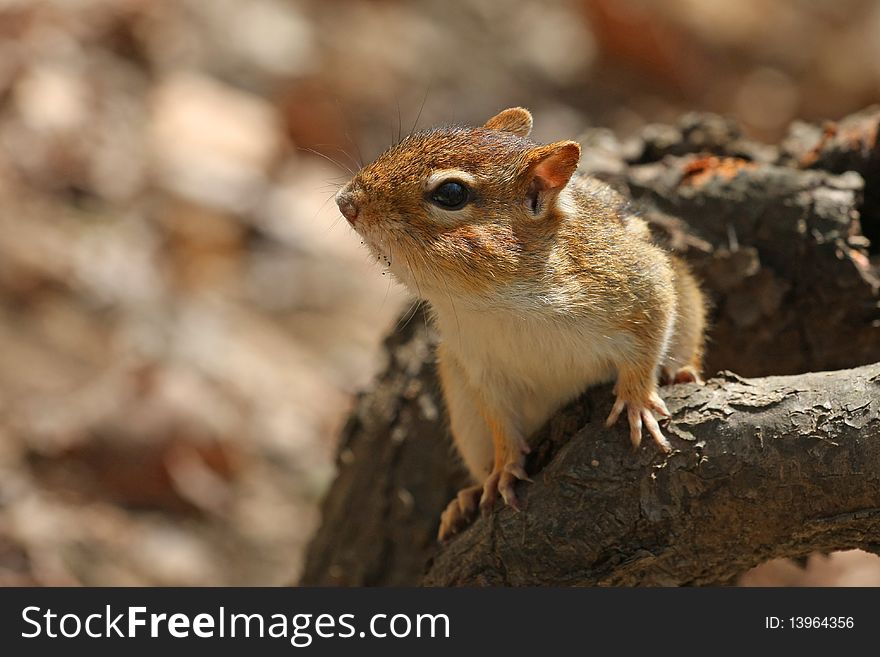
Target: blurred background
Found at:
x=183, y=318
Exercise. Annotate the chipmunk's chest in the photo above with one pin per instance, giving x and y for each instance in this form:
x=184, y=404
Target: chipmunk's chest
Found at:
x=537, y=362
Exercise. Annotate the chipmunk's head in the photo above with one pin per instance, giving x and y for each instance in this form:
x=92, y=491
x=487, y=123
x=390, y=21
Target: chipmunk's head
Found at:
x=450, y=207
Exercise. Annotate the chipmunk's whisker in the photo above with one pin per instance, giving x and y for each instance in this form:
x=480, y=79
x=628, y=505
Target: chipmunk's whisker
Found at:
x=412, y=274
x=423, y=262
x=421, y=107
x=454, y=311
x=408, y=315
x=328, y=158
x=390, y=259
x=341, y=151
x=347, y=133
x=321, y=208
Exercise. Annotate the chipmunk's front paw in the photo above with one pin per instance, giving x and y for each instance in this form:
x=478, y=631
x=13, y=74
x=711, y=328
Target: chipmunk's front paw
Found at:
x=460, y=512
x=502, y=481
x=639, y=413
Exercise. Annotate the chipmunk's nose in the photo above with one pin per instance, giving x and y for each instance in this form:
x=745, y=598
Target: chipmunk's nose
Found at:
x=347, y=202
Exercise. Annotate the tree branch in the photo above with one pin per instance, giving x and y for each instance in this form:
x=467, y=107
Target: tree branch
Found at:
x=763, y=468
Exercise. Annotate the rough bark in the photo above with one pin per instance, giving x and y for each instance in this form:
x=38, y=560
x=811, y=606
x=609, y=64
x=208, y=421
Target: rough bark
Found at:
x=764, y=467
x=779, y=466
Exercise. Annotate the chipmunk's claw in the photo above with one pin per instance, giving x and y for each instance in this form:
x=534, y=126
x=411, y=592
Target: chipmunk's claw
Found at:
x=503, y=481
x=616, y=410
x=460, y=512
x=640, y=415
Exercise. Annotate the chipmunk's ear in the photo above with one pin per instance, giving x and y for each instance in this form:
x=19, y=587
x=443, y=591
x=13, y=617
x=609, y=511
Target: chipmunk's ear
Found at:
x=517, y=120
x=551, y=166
x=548, y=169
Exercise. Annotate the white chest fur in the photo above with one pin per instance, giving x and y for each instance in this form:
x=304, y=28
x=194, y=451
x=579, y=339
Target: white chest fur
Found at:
x=530, y=365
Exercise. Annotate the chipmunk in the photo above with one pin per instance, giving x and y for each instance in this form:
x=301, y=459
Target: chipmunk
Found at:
x=541, y=284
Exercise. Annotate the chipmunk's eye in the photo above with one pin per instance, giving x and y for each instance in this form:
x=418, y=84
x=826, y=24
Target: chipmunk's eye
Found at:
x=450, y=195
